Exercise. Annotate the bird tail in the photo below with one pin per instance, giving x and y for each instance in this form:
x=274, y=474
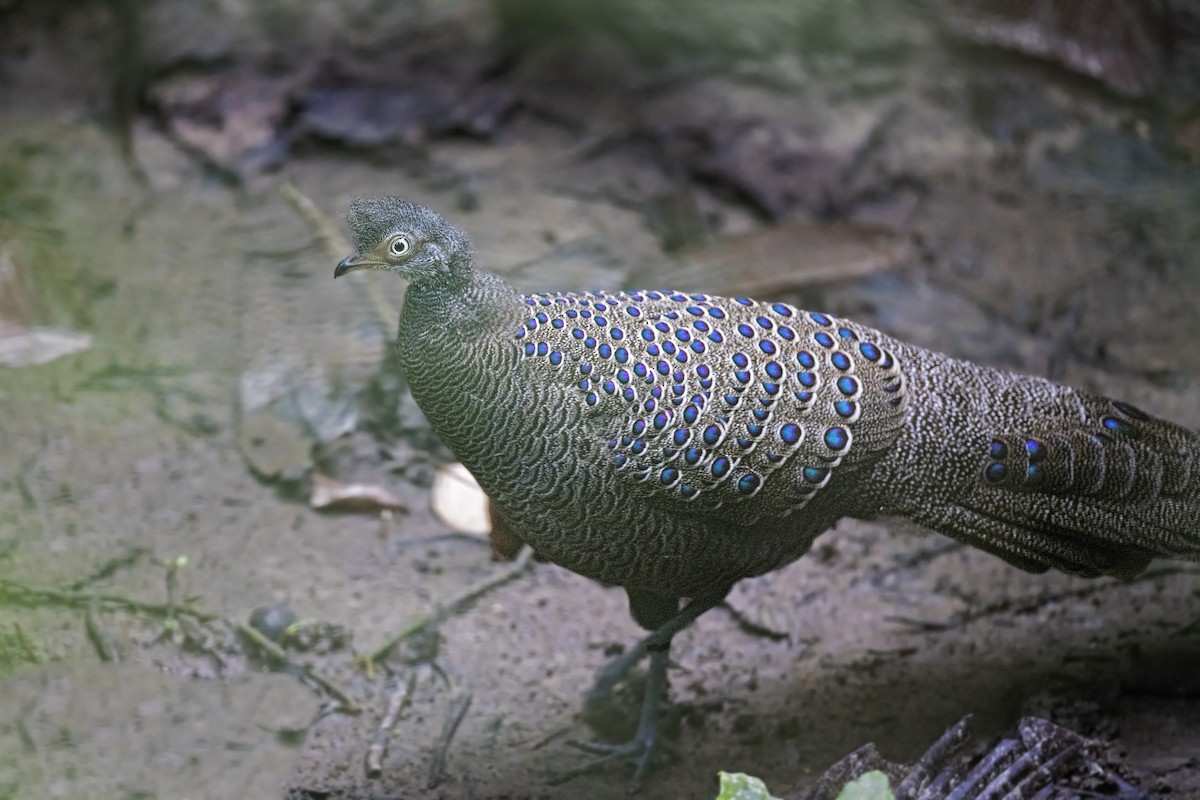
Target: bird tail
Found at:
x=1101, y=493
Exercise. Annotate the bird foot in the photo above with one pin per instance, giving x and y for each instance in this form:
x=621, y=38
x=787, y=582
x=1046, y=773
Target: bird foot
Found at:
x=639, y=751
x=645, y=744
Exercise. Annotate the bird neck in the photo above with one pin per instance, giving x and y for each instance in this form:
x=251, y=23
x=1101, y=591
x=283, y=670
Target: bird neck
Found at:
x=444, y=319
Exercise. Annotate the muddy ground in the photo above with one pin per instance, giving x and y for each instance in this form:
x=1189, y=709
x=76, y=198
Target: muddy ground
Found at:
x=900, y=163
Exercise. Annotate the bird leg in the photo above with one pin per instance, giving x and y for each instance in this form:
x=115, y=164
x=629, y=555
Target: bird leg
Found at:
x=647, y=740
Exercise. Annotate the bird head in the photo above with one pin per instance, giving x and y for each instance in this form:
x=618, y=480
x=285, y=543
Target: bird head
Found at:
x=403, y=237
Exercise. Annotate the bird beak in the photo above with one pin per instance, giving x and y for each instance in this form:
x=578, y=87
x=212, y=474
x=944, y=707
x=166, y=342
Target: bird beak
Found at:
x=352, y=263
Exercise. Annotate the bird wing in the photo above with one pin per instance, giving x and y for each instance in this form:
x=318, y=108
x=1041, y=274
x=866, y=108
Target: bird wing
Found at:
x=720, y=401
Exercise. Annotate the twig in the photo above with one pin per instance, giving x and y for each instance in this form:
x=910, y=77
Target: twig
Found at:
x=455, y=605
x=280, y=655
x=379, y=744
x=338, y=248
x=457, y=712
x=104, y=646
x=17, y=594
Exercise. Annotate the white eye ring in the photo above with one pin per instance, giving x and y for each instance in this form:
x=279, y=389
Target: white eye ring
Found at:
x=398, y=246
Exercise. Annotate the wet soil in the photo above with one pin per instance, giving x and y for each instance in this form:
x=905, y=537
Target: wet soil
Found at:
x=995, y=207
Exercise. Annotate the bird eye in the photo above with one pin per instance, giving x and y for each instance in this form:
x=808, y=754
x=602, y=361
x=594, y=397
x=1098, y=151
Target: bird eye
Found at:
x=398, y=246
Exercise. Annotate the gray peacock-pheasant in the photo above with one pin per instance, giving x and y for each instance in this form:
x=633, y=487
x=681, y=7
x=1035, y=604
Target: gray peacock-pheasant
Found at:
x=675, y=443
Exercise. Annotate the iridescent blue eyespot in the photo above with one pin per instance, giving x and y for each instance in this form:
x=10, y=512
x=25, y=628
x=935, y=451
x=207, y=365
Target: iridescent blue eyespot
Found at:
x=786, y=332
x=621, y=354
x=804, y=396
x=847, y=385
x=690, y=413
x=836, y=438
x=683, y=335
x=590, y=399
x=770, y=388
x=585, y=384
x=609, y=387
x=996, y=472
x=633, y=311
x=712, y=434
x=681, y=436
x=693, y=455
x=616, y=333
x=601, y=321
x=822, y=338
x=703, y=370
x=820, y=319
x=585, y=368
x=997, y=449
x=773, y=369
x=742, y=376
x=585, y=314
x=869, y=351
x=744, y=301
x=1115, y=425
x=720, y=467
x=740, y=360
x=731, y=399
x=668, y=348
x=716, y=313
x=662, y=367
x=846, y=333
x=697, y=346
x=748, y=483
x=763, y=322
x=844, y=408
x=700, y=325
x=530, y=348
x=716, y=336
x=668, y=476
x=660, y=420
x=767, y=346
x=694, y=311
x=623, y=375
x=605, y=350
x=589, y=342
x=557, y=322
x=815, y=474
x=638, y=446
x=781, y=309
x=555, y=358
x=572, y=313
x=543, y=348
x=806, y=359
x=1035, y=450
x=790, y=433
x=639, y=369
x=653, y=350
x=745, y=330
x=687, y=490
x=620, y=459
x=662, y=326
x=1035, y=475
x=648, y=334
x=639, y=426
x=808, y=379
x=840, y=360
x=531, y=324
